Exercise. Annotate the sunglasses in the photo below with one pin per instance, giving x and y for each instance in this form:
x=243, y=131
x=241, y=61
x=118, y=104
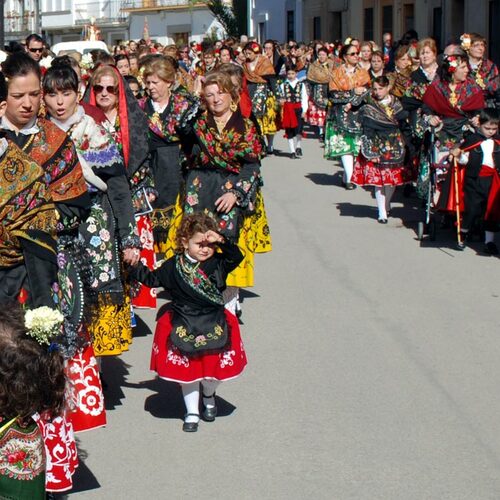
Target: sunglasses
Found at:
x=36, y=50
x=110, y=89
x=353, y=53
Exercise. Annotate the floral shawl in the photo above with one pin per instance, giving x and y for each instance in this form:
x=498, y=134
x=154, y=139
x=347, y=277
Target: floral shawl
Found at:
x=469, y=98
x=486, y=76
x=26, y=210
x=320, y=72
x=238, y=143
x=342, y=81
x=181, y=106
x=264, y=67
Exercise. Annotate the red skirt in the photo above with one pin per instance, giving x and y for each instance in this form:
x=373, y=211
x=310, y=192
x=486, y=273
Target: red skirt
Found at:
x=315, y=116
x=171, y=364
x=367, y=173
x=146, y=297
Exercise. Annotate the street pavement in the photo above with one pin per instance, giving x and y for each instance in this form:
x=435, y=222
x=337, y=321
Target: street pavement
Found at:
x=374, y=367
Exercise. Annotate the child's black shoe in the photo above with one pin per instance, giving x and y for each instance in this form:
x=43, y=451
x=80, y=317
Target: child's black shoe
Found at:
x=490, y=248
x=299, y=151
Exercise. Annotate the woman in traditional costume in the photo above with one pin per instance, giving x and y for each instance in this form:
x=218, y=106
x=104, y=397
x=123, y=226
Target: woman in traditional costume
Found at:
x=127, y=124
x=400, y=77
x=451, y=103
x=348, y=85
x=222, y=176
x=381, y=159
x=483, y=71
x=261, y=80
x=109, y=234
x=167, y=107
x=318, y=77
x=272, y=53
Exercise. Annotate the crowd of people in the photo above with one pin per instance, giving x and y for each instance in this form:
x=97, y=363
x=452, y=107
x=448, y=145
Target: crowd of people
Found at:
x=141, y=169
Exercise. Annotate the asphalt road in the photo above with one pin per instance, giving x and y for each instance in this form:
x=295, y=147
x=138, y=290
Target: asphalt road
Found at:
x=374, y=367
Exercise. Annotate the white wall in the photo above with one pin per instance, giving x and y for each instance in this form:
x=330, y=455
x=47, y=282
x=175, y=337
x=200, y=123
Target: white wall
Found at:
x=163, y=23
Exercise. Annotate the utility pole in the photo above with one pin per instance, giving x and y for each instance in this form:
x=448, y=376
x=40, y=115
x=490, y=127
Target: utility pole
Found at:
x=2, y=25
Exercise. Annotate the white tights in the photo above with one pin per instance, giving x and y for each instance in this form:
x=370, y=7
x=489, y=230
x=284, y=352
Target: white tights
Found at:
x=348, y=164
x=191, y=394
x=383, y=196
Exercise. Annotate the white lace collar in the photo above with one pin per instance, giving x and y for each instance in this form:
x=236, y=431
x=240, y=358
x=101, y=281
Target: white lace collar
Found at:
x=29, y=129
x=76, y=117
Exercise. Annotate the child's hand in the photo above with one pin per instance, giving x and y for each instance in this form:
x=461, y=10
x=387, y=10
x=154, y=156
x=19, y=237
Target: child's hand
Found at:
x=213, y=237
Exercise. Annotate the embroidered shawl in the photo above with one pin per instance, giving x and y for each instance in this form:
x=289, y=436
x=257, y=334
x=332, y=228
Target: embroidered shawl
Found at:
x=341, y=80
x=320, y=72
x=26, y=210
x=486, y=76
x=264, y=67
x=469, y=98
x=237, y=144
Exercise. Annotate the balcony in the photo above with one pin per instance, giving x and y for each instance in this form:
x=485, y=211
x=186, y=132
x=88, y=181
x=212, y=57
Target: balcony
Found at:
x=145, y=5
x=101, y=13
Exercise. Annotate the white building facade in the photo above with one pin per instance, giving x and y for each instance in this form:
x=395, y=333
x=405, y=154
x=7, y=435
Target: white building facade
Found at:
x=280, y=20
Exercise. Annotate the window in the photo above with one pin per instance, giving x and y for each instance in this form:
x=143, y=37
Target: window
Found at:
x=408, y=17
x=290, y=24
x=368, y=24
x=317, y=28
x=336, y=26
x=261, y=35
x=437, y=25
x=386, y=19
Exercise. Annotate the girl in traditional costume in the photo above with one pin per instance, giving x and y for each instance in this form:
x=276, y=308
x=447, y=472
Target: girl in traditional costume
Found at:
x=294, y=101
x=261, y=80
x=318, y=77
x=348, y=85
x=197, y=340
x=32, y=399
x=381, y=159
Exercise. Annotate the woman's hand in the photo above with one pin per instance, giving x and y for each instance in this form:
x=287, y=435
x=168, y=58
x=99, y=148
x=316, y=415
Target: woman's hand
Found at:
x=434, y=121
x=347, y=107
x=225, y=203
x=131, y=256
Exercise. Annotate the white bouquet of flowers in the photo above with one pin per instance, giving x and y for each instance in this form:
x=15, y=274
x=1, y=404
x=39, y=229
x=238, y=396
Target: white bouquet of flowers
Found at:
x=43, y=323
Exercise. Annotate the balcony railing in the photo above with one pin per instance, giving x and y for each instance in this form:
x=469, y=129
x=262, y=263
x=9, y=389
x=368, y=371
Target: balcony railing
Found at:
x=15, y=23
x=144, y=4
x=101, y=13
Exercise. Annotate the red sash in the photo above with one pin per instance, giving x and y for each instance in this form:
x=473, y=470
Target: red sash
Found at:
x=289, y=119
x=493, y=207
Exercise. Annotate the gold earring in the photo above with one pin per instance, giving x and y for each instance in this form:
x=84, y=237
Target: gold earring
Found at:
x=233, y=106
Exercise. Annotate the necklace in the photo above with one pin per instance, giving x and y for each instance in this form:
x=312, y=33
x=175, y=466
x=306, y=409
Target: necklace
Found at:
x=453, y=96
x=189, y=270
x=28, y=144
x=221, y=122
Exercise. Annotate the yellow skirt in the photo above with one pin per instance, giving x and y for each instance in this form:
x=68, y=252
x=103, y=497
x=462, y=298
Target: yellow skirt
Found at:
x=111, y=330
x=269, y=122
x=254, y=238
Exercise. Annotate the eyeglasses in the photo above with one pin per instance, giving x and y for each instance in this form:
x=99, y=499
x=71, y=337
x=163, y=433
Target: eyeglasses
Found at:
x=353, y=54
x=36, y=50
x=110, y=89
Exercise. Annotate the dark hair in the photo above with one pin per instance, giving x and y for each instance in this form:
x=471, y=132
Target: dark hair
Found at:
x=383, y=81
x=290, y=67
x=3, y=88
x=191, y=224
x=33, y=38
x=100, y=56
x=131, y=79
x=61, y=77
x=20, y=64
x=31, y=378
x=65, y=60
x=322, y=49
x=489, y=115
x=229, y=49
x=344, y=50
x=378, y=53
x=121, y=57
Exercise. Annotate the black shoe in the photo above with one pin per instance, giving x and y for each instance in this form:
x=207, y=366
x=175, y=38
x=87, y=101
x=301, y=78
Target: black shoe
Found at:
x=209, y=414
x=350, y=186
x=293, y=156
x=490, y=248
x=382, y=221
x=299, y=151
x=190, y=426
x=461, y=245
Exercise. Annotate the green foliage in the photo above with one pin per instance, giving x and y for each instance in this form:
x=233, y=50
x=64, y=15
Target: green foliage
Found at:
x=226, y=16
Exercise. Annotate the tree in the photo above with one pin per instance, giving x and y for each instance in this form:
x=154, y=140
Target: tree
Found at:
x=226, y=16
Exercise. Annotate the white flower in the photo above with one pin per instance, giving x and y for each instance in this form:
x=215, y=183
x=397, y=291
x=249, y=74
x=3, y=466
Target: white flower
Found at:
x=46, y=62
x=43, y=323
